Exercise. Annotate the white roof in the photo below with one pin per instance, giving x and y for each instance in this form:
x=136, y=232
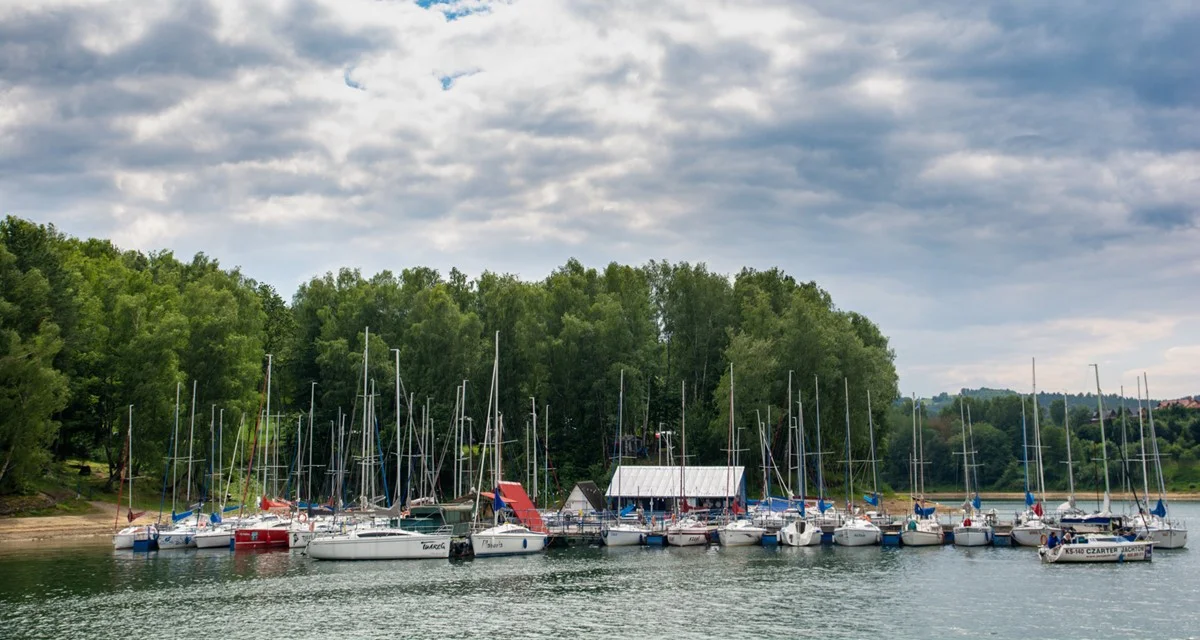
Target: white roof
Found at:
x=664, y=482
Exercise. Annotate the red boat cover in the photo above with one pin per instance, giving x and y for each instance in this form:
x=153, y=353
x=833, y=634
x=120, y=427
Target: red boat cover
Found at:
x=522, y=507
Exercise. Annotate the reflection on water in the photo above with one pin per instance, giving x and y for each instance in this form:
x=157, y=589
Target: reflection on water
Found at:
x=827, y=592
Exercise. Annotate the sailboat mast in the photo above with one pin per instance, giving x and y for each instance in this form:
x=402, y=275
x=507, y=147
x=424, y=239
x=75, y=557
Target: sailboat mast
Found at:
x=913, y=476
x=849, y=472
x=729, y=444
x=962, y=419
x=175, y=450
x=791, y=429
x=1142, y=443
x=683, y=444
x=191, y=441
x=534, y=425
x=1070, y=463
x=921, y=450
x=1162, y=485
x=620, y=435
x=267, y=429
x=820, y=477
x=802, y=466
x=1037, y=436
x=129, y=457
x=1025, y=444
x=871, y=435
x=1103, y=437
x=497, y=472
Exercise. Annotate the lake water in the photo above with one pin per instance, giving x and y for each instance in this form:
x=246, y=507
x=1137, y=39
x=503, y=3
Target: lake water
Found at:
x=753, y=592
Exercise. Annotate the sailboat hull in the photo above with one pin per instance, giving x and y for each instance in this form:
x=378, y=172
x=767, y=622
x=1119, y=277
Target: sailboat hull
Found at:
x=398, y=547
x=746, y=537
x=848, y=537
x=921, y=538
x=213, y=539
x=687, y=537
x=274, y=537
x=972, y=536
x=800, y=534
x=177, y=539
x=1172, y=538
x=507, y=544
x=620, y=537
x=1032, y=535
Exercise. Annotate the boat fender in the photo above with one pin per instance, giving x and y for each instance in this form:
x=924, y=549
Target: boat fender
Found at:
x=1043, y=539
x=303, y=517
x=524, y=543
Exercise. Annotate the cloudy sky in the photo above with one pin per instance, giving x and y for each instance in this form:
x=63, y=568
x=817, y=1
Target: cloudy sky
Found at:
x=987, y=181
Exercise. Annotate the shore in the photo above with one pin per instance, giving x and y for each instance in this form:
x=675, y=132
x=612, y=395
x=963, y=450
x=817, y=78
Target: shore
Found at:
x=96, y=524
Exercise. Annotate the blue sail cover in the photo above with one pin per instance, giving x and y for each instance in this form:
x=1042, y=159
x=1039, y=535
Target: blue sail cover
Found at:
x=629, y=508
x=924, y=512
x=1159, y=509
x=976, y=502
x=871, y=499
x=823, y=506
x=176, y=517
x=1029, y=499
x=231, y=508
x=497, y=501
x=214, y=518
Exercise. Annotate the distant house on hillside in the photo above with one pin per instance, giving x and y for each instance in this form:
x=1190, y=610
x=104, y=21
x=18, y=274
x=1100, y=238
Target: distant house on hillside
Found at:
x=1186, y=403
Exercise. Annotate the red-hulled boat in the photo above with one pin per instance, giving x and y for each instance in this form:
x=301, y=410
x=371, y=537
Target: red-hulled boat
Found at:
x=269, y=532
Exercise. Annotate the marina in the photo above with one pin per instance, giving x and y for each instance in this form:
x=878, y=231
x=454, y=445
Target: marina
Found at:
x=772, y=592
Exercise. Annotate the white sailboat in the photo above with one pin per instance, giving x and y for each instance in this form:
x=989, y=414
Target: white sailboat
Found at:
x=1102, y=520
x=1156, y=524
x=736, y=533
x=125, y=538
x=856, y=530
x=802, y=531
x=621, y=533
x=921, y=529
x=686, y=531
x=975, y=530
x=502, y=538
x=1030, y=527
x=374, y=543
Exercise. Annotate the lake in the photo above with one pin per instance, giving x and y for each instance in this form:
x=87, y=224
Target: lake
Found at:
x=828, y=592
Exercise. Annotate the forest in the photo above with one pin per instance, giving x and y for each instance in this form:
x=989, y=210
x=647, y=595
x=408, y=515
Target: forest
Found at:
x=88, y=330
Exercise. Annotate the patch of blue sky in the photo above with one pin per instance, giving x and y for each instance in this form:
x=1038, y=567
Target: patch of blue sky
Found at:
x=449, y=80
x=454, y=9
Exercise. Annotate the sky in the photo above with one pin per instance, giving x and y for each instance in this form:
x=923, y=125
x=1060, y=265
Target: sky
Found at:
x=989, y=182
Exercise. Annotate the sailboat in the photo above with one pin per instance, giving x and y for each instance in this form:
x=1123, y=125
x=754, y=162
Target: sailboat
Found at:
x=802, y=531
x=1030, y=529
x=505, y=538
x=687, y=530
x=737, y=532
x=1102, y=520
x=267, y=530
x=975, y=530
x=621, y=533
x=921, y=529
x=183, y=534
x=857, y=530
x=136, y=537
x=1155, y=525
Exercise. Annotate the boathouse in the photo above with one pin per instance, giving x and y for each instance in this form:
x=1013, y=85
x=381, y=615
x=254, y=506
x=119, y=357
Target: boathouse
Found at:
x=585, y=498
x=657, y=488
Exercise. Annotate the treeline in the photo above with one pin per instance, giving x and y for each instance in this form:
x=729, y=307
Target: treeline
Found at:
x=1003, y=427
x=1088, y=400
x=87, y=329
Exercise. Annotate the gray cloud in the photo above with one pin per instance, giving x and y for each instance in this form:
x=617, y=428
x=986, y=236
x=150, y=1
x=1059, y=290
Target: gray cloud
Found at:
x=973, y=177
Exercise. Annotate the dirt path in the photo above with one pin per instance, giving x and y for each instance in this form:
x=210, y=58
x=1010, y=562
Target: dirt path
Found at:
x=97, y=523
